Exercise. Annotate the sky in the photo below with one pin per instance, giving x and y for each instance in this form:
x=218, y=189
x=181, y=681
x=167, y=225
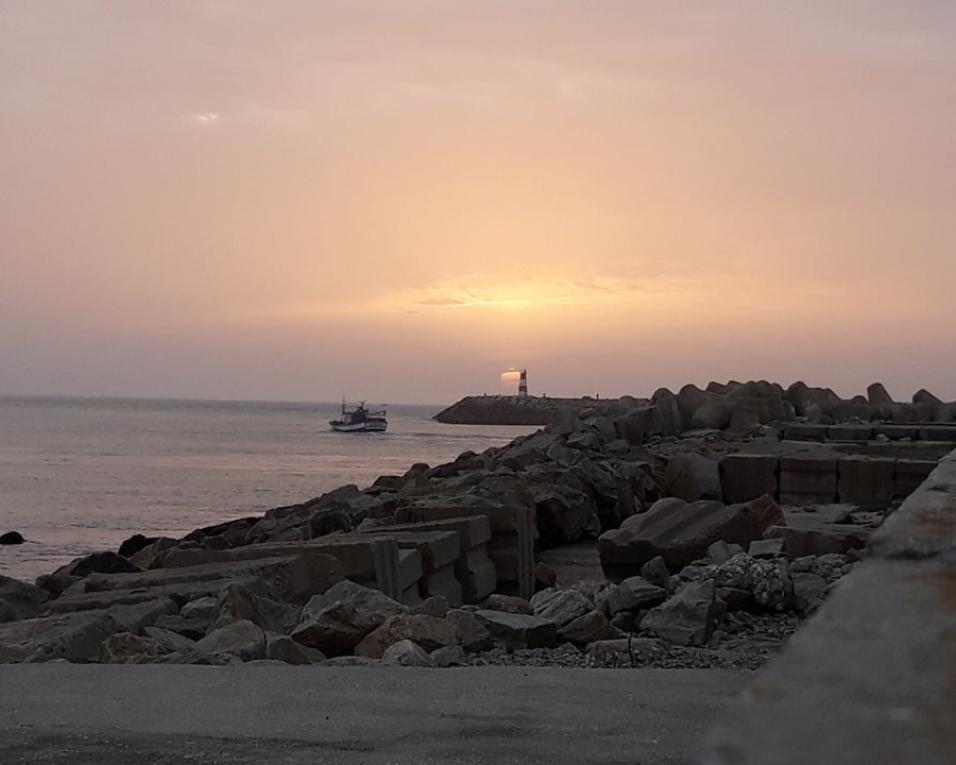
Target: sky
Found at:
x=398, y=200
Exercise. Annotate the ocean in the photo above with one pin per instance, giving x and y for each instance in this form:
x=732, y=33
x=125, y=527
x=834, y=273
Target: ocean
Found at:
x=78, y=475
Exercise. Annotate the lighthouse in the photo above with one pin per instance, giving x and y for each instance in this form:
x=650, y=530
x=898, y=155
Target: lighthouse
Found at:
x=523, y=383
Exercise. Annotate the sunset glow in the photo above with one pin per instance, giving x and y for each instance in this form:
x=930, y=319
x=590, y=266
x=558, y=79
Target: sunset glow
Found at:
x=408, y=198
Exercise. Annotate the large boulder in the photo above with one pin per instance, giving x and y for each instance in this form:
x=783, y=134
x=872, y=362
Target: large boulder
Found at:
x=519, y=630
x=339, y=619
x=283, y=648
x=236, y=603
x=407, y=653
x=125, y=647
x=19, y=600
x=75, y=637
x=242, y=639
x=681, y=534
x=97, y=563
x=560, y=606
x=429, y=632
x=686, y=618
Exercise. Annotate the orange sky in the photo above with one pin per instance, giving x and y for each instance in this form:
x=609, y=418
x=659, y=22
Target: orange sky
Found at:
x=400, y=200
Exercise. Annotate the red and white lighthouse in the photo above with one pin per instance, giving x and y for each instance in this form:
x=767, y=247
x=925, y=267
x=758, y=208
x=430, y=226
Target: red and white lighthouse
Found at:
x=523, y=383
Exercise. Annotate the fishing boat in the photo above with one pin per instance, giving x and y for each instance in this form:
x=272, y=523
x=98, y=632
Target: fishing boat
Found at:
x=360, y=420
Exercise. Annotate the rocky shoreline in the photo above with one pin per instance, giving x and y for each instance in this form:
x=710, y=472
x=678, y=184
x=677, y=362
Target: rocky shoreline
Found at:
x=689, y=530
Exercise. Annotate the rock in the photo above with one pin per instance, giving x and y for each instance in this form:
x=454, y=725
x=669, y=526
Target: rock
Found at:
x=634, y=594
x=19, y=600
x=97, y=563
x=122, y=647
x=406, y=653
x=12, y=538
x=193, y=629
x=151, y=556
x=681, y=534
x=285, y=649
x=766, y=548
x=655, y=572
x=564, y=514
x=686, y=618
x=134, y=544
x=820, y=539
x=200, y=608
x=808, y=591
x=242, y=639
x=449, y=656
x=544, y=576
x=691, y=477
x=719, y=551
x=55, y=585
x=519, y=630
x=351, y=661
x=435, y=605
x=587, y=628
x=623, y=652
x=75, y=637
x=135, y=616
x=237, y=603
x=427, y=631
x=169, y=641
x=508, y=603
x=768, y=582
x=470, y=634
x=338, y=620
x=560, y=606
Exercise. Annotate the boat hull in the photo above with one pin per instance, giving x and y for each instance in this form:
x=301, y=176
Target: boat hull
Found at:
x=371, y=425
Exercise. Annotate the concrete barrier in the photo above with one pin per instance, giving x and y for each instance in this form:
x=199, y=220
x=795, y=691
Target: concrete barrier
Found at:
x=870, y=679
x=511, y=547
x=808, y=480
x=746, y=476
x=866, y=482
x=372, y=562
x=473, y=568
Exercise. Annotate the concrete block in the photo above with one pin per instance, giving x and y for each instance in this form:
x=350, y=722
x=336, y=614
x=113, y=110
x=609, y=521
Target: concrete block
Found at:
x=850, y=432
x=909, y=475
x=744, y=477
x=410, y=568
x=804, y=431
x=443, y=583
x=937, y=433
x=807, y=480
x=438, y=549
x=474, y=569
x=866, y=482
x=372, y=562
x=896, y=432
x=74, y=637
x=182, y=592
x=511, y=548
x=294, y=578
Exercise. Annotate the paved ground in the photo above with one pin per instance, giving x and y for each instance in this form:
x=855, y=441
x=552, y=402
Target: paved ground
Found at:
x=81, y=715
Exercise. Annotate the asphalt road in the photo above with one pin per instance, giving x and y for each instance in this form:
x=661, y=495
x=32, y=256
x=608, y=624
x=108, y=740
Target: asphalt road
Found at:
x=107, y=715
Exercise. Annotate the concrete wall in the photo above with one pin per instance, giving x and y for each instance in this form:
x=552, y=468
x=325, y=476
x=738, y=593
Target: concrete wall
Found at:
x=872, y=677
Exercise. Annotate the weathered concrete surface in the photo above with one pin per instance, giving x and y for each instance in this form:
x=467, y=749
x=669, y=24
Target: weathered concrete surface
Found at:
x=872, y=677
x=269, y=714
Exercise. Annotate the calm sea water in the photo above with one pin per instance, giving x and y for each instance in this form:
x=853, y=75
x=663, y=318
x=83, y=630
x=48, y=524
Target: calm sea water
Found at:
x=78, y=475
